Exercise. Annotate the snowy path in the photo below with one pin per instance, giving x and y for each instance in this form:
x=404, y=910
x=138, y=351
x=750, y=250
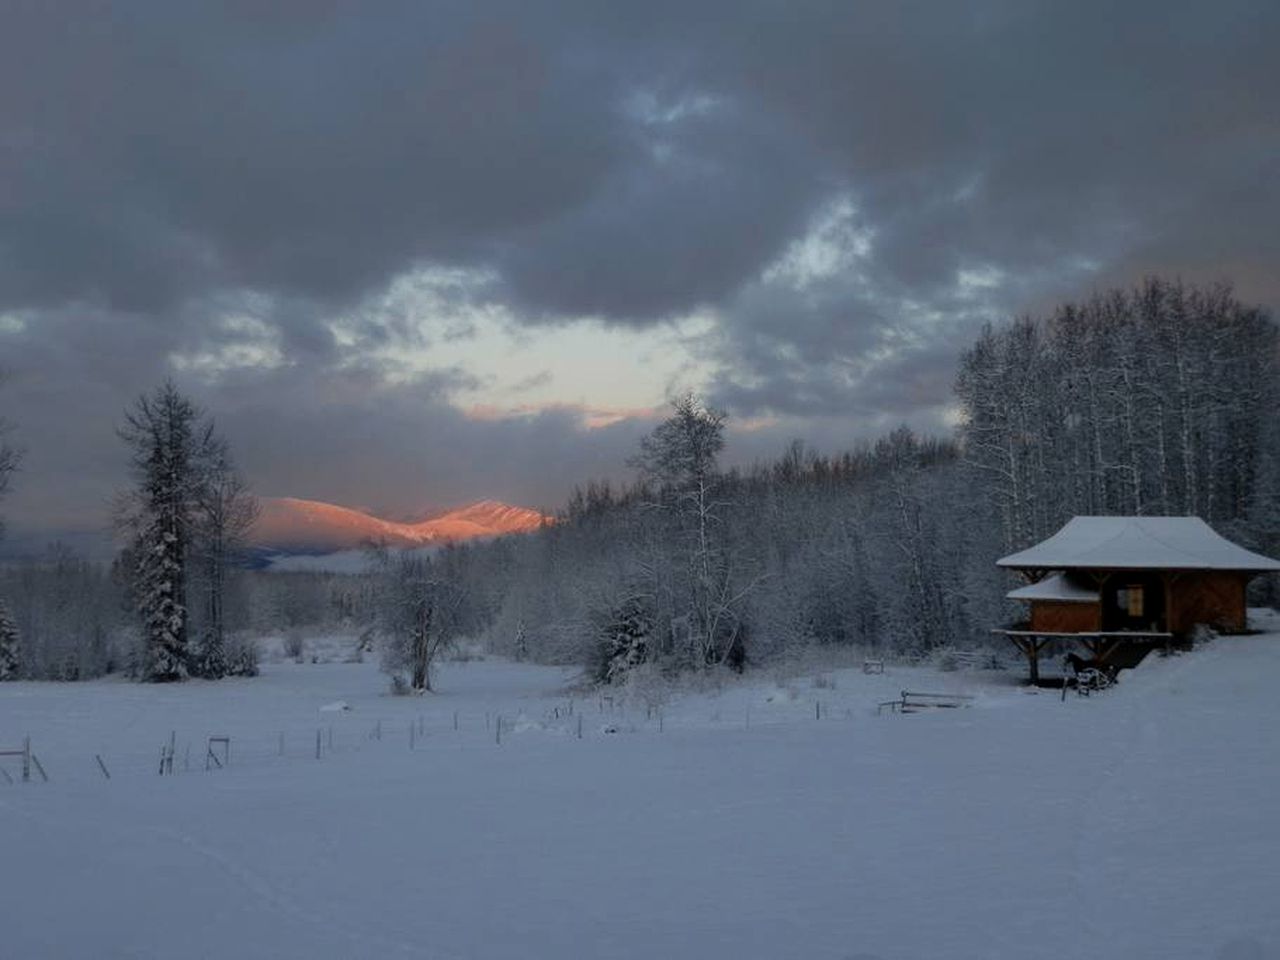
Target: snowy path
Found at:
x=1132, y=825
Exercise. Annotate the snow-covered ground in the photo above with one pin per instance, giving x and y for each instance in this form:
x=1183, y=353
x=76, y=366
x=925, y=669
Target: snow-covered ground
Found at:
x=1139, y=823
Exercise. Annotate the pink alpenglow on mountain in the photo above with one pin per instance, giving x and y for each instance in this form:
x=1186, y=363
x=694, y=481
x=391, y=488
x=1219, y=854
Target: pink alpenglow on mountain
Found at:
x=308, y=526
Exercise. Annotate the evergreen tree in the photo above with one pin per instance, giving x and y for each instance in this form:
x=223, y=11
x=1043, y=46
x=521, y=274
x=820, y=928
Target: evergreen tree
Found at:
x=10, y=648
x=167, y=437
x=9, y=457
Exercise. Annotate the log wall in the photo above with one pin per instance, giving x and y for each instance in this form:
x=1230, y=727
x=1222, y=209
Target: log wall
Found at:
x=1056, y=616
x=1213, y=598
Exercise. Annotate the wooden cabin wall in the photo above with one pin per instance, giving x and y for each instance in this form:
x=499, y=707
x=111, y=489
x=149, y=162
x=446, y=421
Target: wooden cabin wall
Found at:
x=1056, y=616
x=1217, y=599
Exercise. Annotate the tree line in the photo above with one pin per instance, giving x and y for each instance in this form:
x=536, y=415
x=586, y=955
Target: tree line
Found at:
x=1161, y=399
x=1157, y=400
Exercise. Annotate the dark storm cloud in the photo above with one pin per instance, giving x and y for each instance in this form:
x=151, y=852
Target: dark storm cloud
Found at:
x=680, y=225
x=204, y=187
x=161, y=151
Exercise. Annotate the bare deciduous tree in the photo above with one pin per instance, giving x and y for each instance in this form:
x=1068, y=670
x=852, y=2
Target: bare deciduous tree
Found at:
x=224, y=513
x=418, y=610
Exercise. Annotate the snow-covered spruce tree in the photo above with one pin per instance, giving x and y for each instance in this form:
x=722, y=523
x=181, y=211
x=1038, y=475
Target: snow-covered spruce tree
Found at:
x=623, y=642
x=167, y=436
x=9, y=456
x=521, y=642
x=10, y=661
x=10, y=648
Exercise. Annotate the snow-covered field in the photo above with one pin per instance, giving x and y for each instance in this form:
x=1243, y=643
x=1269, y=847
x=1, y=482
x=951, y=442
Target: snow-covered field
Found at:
x=1141, y=823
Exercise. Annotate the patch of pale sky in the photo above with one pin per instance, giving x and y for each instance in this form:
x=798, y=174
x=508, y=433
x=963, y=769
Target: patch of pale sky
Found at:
x=582, y=364
x=967, y=190
x=646, y=107
x=974, y=281
x=450, y=319
x=833, y=244
x=655, y=116
x=591, y=418
x=755, y=424
x=251, y=343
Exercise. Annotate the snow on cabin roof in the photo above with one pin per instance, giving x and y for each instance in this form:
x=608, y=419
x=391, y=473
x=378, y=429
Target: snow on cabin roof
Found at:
x=1146, y=543
x=1056, y=587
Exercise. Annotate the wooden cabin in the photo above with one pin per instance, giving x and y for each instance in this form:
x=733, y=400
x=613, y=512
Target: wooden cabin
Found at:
x=1120, y=585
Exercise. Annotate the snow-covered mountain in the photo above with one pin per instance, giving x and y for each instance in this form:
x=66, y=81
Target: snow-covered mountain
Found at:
x=291, y=525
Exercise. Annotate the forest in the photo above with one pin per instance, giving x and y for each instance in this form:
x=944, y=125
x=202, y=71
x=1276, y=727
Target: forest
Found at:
x=1160, y=399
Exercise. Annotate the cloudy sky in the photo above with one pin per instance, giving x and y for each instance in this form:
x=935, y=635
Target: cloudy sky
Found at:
x=413, y=254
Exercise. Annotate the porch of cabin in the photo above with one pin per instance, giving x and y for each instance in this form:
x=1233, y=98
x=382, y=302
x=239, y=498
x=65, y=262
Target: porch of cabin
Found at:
x=1119, y=649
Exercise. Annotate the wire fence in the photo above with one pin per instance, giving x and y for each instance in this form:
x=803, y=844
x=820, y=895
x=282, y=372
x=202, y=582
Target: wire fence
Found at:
x=336, y=735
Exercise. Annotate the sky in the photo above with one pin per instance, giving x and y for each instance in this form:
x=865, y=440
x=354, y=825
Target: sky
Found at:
x=410, y=255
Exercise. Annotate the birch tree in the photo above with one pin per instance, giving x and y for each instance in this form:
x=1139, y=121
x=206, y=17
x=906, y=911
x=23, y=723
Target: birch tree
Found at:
x=679, y=459
x=1153, y=400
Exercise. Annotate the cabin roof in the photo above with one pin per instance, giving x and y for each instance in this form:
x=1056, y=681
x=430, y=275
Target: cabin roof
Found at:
x=1138, y=543
x=1057, y=587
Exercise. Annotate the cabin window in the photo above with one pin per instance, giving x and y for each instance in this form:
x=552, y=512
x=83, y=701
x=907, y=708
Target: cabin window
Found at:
x=1129, y=599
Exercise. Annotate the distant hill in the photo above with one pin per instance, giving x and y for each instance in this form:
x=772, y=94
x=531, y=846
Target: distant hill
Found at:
x=292, y=526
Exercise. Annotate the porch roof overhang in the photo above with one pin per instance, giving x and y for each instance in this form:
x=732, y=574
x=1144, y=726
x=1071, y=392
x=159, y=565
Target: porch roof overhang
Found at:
x=1058, y=588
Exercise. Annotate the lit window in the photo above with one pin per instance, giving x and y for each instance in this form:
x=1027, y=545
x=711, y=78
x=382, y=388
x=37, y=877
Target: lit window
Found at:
x=1134, y=601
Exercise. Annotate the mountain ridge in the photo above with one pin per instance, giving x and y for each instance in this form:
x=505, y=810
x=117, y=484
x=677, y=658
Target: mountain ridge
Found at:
x=296, y=525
